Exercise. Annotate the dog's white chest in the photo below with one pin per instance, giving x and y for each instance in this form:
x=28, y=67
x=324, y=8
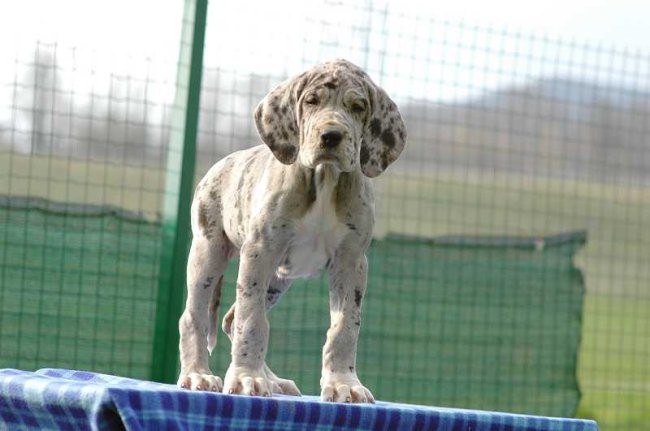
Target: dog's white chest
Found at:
x=316, y=237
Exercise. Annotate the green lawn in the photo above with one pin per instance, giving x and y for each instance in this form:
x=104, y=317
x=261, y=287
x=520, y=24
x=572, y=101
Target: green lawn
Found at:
x=613, y=369
x=130, y=187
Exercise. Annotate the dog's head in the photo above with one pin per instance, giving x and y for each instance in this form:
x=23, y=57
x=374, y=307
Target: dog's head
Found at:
x=332, y=113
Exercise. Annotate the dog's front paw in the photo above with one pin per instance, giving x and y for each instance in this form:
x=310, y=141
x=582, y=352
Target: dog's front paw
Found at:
x=200, y=381
x=344, y=388
x=280, y=385
x=247, y=381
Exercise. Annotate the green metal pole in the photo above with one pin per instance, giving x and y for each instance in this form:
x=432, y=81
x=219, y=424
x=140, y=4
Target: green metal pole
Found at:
x=179, y=181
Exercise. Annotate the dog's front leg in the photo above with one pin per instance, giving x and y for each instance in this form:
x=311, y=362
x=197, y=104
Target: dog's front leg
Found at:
x=250, y=334
x=339, y=381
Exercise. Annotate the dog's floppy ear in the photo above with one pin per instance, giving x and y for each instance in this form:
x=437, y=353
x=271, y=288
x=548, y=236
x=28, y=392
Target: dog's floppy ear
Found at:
x=275, y=119
x=384, y=137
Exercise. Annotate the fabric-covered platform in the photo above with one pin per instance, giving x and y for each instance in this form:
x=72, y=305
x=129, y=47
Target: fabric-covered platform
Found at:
x=76, y=400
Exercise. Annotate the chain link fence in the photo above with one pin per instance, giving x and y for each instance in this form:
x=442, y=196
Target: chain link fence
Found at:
x=509, y=268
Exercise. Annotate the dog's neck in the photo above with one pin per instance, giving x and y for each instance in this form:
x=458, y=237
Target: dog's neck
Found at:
x=325, y=176
x=331, y=186
x=324, y=184
x=322, y=181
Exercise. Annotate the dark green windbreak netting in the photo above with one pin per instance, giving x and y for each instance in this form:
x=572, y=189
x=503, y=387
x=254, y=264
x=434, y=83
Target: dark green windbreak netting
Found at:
x=79, y=286
x=489, y=323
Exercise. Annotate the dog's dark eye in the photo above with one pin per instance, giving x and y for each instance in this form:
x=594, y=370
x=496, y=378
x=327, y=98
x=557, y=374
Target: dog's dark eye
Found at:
x=311, y=99
x=358, y=107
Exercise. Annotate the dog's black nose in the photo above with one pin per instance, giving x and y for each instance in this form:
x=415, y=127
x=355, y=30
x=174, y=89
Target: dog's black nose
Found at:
x=331, y=139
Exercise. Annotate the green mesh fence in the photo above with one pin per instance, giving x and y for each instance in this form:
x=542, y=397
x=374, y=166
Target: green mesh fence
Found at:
x=78, y=287
x=472, y=302
x=489, y=323
x=482, y=322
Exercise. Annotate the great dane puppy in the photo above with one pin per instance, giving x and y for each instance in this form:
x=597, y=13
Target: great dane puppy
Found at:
x=298, y=204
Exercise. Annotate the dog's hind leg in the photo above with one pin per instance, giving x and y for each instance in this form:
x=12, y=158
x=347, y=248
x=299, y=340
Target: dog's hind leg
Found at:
x=207, y=261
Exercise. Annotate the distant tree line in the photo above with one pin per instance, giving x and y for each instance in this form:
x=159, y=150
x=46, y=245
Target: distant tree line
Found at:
x=550, y=127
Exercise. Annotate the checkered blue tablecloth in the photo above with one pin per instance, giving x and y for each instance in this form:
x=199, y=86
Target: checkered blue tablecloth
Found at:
x=77, y=400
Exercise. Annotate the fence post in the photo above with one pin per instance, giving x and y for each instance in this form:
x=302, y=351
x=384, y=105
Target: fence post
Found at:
x=179, y=181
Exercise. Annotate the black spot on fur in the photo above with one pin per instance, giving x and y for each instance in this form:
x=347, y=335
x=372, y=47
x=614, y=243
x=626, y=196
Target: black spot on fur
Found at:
x=268, y=119
x=388, y=138
x=331, y=85
x=384, y=160
x=351, y=226
x=375, y=127
x=365, y=155
x=311, y=192
x=402, y=134
x=203, y=220
x=286, y=152
x=208, y=281
x=216, y=296
x=357, y=297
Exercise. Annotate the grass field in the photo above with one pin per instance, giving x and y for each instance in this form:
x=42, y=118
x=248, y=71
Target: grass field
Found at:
x=613, y=368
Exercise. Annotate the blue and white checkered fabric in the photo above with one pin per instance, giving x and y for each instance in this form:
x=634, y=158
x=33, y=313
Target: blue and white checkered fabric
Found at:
x=76, y=400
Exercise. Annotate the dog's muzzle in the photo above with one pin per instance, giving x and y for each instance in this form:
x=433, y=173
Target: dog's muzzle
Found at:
x=328, y=144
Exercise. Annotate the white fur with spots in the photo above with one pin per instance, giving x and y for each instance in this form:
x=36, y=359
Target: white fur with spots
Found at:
x=301, y=203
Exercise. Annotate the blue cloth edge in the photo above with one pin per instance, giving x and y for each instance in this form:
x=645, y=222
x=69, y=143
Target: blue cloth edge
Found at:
x=116, y=395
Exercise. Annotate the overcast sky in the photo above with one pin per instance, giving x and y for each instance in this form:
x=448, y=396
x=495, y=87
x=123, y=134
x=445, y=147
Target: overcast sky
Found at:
x=148, y=25
x=280, y=37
